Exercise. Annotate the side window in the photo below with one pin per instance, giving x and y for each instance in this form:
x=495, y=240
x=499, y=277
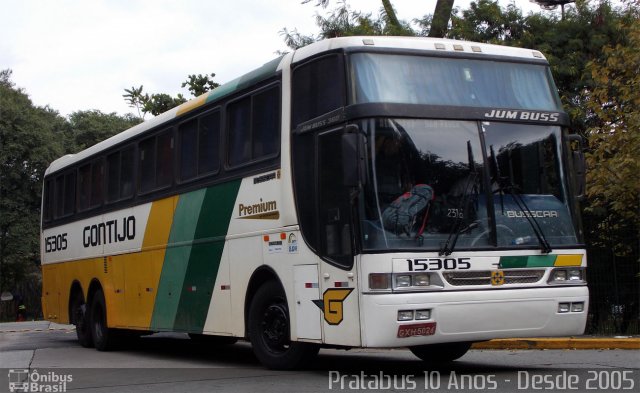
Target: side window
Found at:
x=188, y=137
x=209, y=143
x=47, y=206
x=164, y=159
x=69, y=193
x=147, y=164
x=318, y=88
x=59, y=200
x=113, y=177
x=120, y=175
x=266, y=123
x=84, y=187
x=239, y=115
x=127, y=160
x=199, y=146
x=90, y=185
x=254, y=127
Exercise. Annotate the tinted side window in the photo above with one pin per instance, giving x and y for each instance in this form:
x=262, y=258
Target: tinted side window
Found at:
x=209, y=143
x=239, y=131
x=318, y=88
x=97, y=183
x=164, y=160
x=266, y=122
x=254, y=127
x=188, y=137
x=147, y=164
x=113, y=177
x=84, y=187
x=48, y=200
x=127, y=157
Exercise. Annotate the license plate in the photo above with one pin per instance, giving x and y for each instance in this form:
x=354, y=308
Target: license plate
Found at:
x=417, y=329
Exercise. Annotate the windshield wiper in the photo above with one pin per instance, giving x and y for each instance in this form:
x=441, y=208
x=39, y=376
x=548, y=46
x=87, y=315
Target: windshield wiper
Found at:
x=457, y=229
x=526, y=212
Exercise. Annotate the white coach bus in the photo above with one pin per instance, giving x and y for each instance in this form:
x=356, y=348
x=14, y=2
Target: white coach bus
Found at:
x=358, y=192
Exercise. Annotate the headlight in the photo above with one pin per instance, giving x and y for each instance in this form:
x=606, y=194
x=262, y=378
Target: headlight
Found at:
x=421, y=280
x=403, y=281
x=573, y=275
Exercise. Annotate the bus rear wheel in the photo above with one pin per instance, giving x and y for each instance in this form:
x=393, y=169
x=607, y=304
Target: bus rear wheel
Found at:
x=80, y=317
x=441, y=353
x=269, y=331
x=104, y=339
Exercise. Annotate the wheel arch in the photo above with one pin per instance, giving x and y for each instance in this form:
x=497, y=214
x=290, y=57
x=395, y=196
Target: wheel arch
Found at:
x=260, y=276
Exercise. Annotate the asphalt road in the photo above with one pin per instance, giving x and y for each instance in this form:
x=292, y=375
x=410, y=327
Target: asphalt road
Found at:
x=173, y=363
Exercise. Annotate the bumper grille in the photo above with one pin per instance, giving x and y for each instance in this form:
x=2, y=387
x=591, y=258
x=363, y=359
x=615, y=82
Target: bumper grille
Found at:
x=483, y=277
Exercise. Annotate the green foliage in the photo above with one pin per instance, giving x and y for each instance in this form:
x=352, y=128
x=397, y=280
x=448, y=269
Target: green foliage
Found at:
x=92, y=126
x=613, y=159
x=200, y=84
x=162, y=102
x=30, y=138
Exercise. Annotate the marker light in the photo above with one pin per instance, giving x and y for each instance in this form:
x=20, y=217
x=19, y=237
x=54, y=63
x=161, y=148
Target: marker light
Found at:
x=379, y=281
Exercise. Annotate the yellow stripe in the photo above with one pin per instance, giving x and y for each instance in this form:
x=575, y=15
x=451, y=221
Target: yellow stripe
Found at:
x=568, y=260
x=191, y=105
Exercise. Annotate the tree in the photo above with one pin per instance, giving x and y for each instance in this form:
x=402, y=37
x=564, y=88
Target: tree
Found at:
x=162, y=102
x=614, y=137
x=30, y=138
x=92, y=126
x=441, y=18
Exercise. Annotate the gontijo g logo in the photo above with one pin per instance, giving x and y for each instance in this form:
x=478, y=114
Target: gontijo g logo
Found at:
x=332, y=304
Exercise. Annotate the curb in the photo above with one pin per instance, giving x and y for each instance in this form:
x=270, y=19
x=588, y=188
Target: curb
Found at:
x=560, y=343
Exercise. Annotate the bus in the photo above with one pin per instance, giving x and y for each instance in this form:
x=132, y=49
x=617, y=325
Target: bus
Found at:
x=357, y=192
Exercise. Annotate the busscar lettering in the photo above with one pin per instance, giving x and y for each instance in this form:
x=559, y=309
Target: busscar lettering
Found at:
x=112, y=231
x=532, y=213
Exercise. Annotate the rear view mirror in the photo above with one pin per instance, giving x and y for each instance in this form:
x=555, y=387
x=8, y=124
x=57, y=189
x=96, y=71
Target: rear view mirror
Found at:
x=577, y=147
x=353, y=157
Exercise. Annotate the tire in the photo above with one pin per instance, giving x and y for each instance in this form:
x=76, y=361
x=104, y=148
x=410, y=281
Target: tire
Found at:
x=80, y=317
x=441, y=353
x=269, y=331
x=104, y=339
x=216, y=341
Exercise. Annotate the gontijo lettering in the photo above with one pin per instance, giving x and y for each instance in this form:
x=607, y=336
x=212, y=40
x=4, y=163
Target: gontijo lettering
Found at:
x=112, y=231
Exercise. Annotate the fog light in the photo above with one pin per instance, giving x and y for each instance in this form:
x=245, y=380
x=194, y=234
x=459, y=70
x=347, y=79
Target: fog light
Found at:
x=379, y=281
x=406, y=315
x=421, y=280
x=403, y=281
x=423, y=314
x=577, y=307
x=563, y=307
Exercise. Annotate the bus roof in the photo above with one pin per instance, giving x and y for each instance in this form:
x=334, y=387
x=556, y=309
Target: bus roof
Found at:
x=436, y=45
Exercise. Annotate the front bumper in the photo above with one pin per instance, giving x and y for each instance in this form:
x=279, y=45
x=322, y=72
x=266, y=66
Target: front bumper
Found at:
x=476, y=315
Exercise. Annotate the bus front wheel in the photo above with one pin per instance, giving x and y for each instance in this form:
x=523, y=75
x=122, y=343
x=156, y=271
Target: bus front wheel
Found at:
x=104, y=339
x=269, y=330
x=441, y=353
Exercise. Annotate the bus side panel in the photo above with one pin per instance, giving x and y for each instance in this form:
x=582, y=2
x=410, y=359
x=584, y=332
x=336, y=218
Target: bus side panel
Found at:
x=142, y=270
x=50, y=293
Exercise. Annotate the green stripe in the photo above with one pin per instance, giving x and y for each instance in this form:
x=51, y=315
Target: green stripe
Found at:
x=512, y=262
x=206, y=254
x=176, y=259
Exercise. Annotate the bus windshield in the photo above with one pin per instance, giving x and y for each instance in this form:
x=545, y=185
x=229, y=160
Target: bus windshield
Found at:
x=403, y=79
x=428, y=182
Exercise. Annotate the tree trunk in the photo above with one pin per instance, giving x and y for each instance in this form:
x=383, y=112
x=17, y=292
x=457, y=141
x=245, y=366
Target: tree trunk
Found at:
x=441, y=16
x=391, y=13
